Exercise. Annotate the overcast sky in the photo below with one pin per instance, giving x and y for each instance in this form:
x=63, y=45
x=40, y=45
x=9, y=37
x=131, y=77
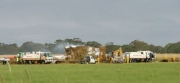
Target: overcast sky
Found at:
x=155, y=22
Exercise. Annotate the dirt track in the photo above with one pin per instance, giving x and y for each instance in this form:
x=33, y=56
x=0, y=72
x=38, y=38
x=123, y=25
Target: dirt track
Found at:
x=1, y=56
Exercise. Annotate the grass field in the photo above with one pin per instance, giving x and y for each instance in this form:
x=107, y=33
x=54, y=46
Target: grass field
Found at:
x=92, y=73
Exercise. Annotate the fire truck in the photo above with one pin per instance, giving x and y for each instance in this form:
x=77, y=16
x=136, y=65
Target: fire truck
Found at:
x=35, y=57
x=139, y=56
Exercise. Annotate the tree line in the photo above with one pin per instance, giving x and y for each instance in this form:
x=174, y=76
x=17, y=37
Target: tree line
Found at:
x=58, y=46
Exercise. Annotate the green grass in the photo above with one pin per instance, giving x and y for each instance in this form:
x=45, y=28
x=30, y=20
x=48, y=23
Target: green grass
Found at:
x=92, y=73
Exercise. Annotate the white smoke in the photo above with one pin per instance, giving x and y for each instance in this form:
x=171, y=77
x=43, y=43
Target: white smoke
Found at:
x=61, y=46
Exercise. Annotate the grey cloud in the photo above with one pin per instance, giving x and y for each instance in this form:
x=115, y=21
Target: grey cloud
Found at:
x=119, y=21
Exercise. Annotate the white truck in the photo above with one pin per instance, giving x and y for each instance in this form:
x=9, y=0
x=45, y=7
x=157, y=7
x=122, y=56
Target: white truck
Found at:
x=88, y=60
x=139, y=56
x=36, y=57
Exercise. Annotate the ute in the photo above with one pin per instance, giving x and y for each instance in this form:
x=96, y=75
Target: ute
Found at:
x=88, y=60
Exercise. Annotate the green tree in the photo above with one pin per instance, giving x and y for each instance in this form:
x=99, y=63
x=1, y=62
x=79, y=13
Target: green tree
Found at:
x=167, y=47
x=60, y=44
x=156, y=49
x=110, y=48
x=12, y=49
x=127, y=48
x=2, y=50
x=93, y=44
x=30, y=47
x=139, y=45
x=8, y=48
x=173, y=47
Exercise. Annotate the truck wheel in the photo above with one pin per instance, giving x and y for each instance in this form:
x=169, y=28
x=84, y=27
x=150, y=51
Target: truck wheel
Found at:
x=56, y=62
x=42, y=62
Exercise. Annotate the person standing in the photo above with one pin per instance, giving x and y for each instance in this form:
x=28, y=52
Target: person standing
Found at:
x=17, y=60
x=4, y=61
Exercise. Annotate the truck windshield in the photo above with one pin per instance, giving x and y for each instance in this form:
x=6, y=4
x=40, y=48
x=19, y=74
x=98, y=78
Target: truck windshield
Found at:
x=21, y=54
x=49, y=55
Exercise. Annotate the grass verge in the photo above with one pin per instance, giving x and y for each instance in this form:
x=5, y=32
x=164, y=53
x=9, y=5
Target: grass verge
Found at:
x=92, y=73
